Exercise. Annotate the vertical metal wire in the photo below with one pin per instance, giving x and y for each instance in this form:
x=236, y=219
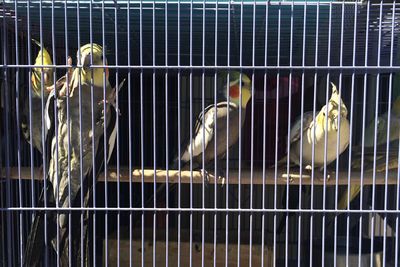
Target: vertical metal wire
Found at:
x=30, y=104
x=141, y=124
x=128, y=25
x=363, y=134
x=240, y=132
x=166, y=137
x=117, y=125
x=203, y=45
x=277, y=127
x=388, y=136
x=396, y=257
x=55, y=128
x=154, y=138
x=215, y=144
x=43, y=143
x=69, y=138
x=104, y=134
x=264, y=139
x=191, y=132
x=252, y=135
x=227, y=134
x=2, y=204
x=80, y=127
x=376, y=133
x=92, y=126
x=302, y=129
x=313, y=144
x=18, y=95
x=7, y=137
x=328, y=75
x=179, y=132
x=339, y=135
x=277, y=120
x=288, y=139
x=351, y=131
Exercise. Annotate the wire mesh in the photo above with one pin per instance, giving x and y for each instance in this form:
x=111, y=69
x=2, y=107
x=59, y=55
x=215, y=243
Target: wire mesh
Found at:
x=191, y=133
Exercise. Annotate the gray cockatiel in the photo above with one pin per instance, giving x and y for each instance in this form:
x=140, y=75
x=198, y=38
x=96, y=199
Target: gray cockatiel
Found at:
x=69, y=165
x=380, y=159
x=218, y=111
x=194, y=148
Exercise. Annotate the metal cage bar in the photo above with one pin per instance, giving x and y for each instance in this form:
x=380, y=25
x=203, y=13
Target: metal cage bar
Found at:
x=277, y=123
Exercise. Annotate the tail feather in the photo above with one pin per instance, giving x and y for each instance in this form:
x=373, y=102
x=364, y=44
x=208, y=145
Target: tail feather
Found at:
x=354, y=191
x=35, y=243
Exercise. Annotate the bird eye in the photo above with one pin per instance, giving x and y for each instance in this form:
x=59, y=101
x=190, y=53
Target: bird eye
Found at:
x=242, y=83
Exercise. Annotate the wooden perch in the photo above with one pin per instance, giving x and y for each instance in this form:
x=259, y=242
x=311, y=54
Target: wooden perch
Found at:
x=245, y=177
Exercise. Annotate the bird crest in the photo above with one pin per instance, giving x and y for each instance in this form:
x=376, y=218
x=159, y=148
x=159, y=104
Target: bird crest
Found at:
x=334, y=102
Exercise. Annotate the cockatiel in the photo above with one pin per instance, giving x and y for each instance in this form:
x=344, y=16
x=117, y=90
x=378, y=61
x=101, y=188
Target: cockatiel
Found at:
x=65, y=176
x=329, y=114
x=220, y=111
x=380, y=159
x=43, y=58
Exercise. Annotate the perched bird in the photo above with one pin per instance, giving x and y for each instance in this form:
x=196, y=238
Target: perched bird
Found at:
x=194, y=148
x=327, y=121
x=38, y=76
x=381, y=139
x=314, y=130
x=70, y=165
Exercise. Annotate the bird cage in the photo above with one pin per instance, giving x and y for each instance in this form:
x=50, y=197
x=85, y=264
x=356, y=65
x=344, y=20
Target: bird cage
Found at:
x=188, y=133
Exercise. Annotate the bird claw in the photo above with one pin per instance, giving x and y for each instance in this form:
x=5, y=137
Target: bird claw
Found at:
x=221, y=177
x=206, y=176
x=288, y=177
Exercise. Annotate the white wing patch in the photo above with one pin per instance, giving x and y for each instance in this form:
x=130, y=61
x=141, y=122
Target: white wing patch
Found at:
x=46, y=114
x=111, y=141
x=197, y=141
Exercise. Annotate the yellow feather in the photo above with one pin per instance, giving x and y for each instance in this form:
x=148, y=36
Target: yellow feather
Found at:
x=42, y=58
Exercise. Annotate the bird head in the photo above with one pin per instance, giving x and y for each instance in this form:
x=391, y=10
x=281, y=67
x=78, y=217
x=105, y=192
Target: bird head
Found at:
x=239, y=81
x=331, y=111
x=43, y=58
x=92, y=54
x=334, y=102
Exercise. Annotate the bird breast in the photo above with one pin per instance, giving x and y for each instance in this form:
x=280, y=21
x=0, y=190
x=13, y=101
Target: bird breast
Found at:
x=318, y=140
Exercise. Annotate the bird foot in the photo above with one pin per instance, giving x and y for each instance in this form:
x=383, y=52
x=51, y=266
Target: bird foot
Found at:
x=206, y=177
x=221, y=177
x=288, y=177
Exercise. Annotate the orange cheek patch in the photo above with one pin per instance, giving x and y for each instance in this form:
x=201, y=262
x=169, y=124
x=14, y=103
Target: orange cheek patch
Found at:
x=234, y=91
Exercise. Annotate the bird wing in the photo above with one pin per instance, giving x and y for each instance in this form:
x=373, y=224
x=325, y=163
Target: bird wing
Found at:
x=113, y=134
x=208, y=115
x=296, y=128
